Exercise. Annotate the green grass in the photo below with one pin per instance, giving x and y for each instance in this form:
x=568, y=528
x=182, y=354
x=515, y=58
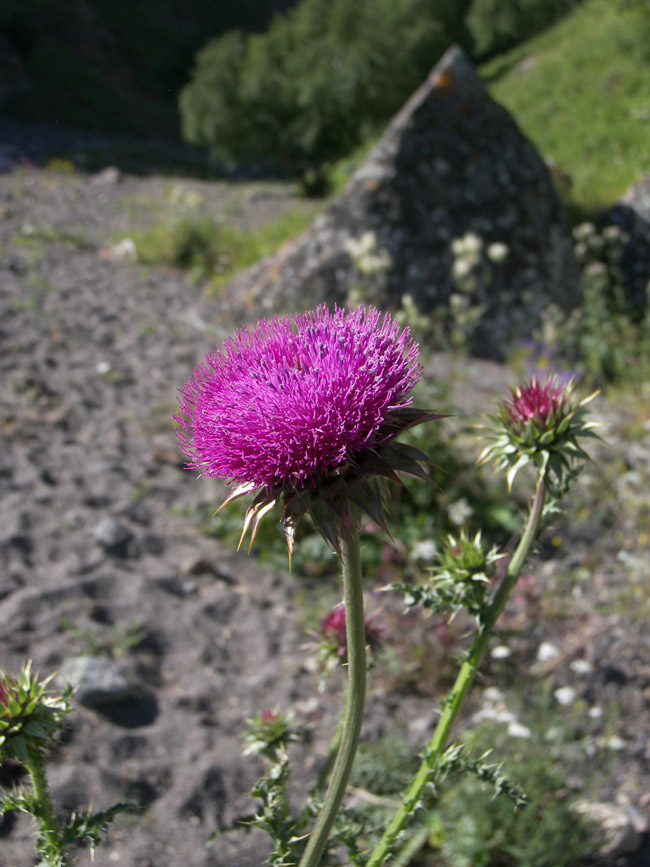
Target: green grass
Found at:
x=581, y=92
x=217, y=250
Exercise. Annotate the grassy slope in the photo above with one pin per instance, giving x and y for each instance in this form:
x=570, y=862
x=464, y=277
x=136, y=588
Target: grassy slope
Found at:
x=581, y=92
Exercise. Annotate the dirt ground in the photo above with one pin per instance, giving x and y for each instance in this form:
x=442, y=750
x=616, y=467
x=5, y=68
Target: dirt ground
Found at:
x=99, y=552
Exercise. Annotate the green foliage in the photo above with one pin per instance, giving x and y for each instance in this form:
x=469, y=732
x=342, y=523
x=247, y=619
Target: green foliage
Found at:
x=459, y=578
x=115, y=640
x=383, y=769
x=210, y=249
x=307, y=91
x=30, y=717
x=607, y=338
x=580, y=92
x=483, y=831
x=29, y=714
x=476, y=813
x=88, y=827
x=496, y=25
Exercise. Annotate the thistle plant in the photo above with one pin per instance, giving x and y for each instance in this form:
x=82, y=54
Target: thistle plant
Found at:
x=542, y=425
x=30, y=718
x=304, y=412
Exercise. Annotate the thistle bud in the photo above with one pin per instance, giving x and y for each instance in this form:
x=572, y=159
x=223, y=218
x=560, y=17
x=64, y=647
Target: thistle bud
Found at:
x=541, y=423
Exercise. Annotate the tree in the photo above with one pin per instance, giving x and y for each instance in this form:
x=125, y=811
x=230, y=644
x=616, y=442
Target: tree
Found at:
x=309, y=89
x=496, y=25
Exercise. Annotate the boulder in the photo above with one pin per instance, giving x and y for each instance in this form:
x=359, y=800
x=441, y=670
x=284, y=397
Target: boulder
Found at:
x=453, y=207
x=632, y=215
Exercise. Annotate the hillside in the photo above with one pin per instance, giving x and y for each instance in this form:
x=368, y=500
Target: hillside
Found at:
x=580, y=90
x=581, y=93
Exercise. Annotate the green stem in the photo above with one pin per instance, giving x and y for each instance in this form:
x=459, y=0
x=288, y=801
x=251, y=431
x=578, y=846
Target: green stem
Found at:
x=464, y=680
x=44, y=814
x=325, y=771
x=355, y=699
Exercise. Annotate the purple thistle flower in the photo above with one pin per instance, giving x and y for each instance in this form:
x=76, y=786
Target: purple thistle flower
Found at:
x=300, y=402
x=297, y=396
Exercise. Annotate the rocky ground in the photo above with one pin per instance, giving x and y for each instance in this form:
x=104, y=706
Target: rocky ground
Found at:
x=101, y=554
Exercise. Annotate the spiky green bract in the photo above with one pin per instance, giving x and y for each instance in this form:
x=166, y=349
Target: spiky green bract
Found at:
x=29, y=714
x=458, y=580
x=541, y=424
x=268, y=734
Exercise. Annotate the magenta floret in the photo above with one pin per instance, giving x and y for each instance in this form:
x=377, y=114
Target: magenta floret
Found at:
x=536, y=402
x=293, y=398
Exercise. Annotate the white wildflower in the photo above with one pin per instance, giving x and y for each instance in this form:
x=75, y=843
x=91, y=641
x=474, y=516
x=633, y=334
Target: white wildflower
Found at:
x=566, y=695
x=518, y=730
x=547, y=651
x=460, y=512
x=425, y=549
x=497, y=252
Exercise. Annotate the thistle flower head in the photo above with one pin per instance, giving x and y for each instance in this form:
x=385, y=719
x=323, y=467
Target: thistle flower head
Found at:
x=536, y=402
x=539, y=423
x=29, y=715
x=459, y=579
x=333, y=630
x=303, y=410
x=269, y=733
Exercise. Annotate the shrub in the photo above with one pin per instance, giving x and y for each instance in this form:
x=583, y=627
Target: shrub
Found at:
x=307, y=91
x=495, y=25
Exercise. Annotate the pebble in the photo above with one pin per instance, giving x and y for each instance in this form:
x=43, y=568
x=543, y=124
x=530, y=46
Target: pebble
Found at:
x=619, y=828
x=96, y=680
x=112, y=535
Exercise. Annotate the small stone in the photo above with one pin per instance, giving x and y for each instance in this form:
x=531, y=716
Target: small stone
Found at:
x=153, y=544
x=616, y=828
x=108, y=176
x=112, y=535
x=96, y=680
x=198, y=565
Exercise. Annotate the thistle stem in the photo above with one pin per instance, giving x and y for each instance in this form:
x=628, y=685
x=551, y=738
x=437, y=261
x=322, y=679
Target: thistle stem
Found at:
x=463, y=682
x=355, y=698
x=52, y=851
